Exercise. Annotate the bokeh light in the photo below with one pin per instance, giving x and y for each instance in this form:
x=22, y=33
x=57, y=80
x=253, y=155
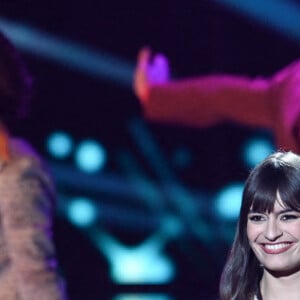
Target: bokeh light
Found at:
x=90, y=156
x=255, y=150
x=228, y=201
x=59, y=144
x=81, y=212
x=142, y=266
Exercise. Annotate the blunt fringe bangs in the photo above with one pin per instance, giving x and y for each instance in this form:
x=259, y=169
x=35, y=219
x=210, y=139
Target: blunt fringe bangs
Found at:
x=280, y=173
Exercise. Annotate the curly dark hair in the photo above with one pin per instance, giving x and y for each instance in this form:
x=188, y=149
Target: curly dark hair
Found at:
x=15, y=83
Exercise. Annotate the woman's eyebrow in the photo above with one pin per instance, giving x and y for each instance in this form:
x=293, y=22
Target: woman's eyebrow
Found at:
x=286, y=210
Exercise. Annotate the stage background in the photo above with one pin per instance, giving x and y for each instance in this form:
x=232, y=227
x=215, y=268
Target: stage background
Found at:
x=145, y=210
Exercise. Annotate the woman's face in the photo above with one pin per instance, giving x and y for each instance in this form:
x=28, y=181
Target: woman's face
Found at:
x=275, y=238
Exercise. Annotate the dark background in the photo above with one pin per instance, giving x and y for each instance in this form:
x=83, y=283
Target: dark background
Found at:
x=198, y=37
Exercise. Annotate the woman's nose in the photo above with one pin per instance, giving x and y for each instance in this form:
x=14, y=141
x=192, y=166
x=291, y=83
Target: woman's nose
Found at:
x=272, y=230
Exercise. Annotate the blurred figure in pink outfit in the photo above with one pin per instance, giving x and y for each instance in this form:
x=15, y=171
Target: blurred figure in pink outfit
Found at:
x=272, y=103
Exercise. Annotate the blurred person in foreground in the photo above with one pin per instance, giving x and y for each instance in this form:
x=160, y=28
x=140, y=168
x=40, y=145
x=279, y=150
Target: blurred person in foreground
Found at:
x=28, y=266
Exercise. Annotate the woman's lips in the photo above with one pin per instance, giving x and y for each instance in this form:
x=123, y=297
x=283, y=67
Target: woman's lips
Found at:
x=276, y=248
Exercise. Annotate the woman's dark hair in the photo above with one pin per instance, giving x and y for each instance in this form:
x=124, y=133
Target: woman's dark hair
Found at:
x=279, y=172
x=15, y=83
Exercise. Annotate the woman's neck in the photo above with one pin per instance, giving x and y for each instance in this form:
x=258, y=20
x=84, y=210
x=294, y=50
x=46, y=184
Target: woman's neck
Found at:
x=280, y=287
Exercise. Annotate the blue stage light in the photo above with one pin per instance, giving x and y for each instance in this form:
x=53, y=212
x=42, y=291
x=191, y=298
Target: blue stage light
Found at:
x=228, y=201
x=59, y=144
x=90, y=156
x=143, y=267
x=145, y=263
x=255, y=150
x=81, y=212
x=76, y=56
x=279, y=15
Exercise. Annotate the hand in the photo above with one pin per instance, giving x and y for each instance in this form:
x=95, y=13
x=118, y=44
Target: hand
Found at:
x=149, y=72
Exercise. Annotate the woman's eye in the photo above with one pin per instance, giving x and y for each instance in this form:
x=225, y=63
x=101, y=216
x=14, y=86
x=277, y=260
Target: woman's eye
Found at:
x=289, y=217
x=256, y=218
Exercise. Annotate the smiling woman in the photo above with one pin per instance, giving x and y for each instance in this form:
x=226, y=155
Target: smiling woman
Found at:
x=275, y=233
x=264, y=262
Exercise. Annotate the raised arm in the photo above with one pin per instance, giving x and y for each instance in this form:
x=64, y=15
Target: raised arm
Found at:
x=201, y=101
x=272, y=103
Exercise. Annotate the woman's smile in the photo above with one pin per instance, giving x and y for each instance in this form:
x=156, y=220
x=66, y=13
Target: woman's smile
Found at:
x=277, y=248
